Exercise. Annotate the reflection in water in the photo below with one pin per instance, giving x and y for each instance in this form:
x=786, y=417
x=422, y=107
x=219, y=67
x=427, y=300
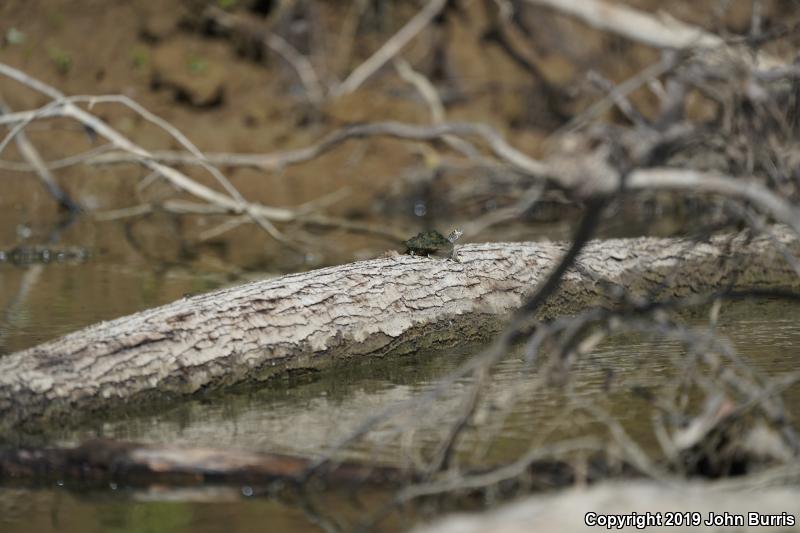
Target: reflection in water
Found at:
x=60, y=510
x=66, y=297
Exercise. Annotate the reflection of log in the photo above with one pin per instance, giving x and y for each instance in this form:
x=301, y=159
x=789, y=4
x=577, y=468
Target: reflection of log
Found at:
x=96, y=463
x=355, y=310
x=102, y=461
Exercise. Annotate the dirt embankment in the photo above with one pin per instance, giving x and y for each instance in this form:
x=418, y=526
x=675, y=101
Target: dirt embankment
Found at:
x=230, y=93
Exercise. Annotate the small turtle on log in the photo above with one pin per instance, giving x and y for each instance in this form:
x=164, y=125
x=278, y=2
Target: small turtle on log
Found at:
x=432, y=243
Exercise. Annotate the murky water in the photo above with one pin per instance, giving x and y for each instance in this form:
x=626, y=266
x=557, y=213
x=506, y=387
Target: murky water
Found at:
x=52, y=510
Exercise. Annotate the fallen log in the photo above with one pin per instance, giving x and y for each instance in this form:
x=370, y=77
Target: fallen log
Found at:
x=369, y=308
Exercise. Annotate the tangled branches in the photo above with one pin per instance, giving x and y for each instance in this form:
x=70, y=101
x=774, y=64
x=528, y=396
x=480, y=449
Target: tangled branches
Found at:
x=713, y=122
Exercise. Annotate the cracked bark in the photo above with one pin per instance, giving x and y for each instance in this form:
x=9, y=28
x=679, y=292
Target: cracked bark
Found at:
x=368, y=308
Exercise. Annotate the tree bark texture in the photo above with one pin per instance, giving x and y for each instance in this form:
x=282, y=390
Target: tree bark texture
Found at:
x=369, y=308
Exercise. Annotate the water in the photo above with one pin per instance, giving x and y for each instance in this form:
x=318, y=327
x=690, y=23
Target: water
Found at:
x=61, y=510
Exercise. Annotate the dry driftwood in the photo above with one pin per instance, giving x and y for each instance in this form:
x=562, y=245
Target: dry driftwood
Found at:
x=368, y=308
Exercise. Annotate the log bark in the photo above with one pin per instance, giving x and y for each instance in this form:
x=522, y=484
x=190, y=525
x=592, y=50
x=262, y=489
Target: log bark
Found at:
x=369, y=308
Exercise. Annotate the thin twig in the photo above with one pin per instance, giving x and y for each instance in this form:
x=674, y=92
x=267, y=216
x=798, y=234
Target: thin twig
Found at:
x=391, y=47
x=55, y=164
x=662, y=31
x=431, y=97
x=31, y=155
x=301, y=65
x=710, y=182
x=278, y=161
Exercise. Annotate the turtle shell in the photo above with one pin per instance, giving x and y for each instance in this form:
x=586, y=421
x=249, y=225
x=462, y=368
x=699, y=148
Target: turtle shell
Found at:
x=428, y=243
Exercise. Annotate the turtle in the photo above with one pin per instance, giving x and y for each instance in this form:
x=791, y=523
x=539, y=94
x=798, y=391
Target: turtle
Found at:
x=433, y=243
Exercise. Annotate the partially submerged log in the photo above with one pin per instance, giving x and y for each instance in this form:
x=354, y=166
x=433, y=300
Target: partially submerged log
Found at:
x=368, y=308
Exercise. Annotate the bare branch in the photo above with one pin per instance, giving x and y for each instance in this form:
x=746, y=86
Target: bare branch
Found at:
x=391, y=47
x=501, y=148
x=709, y=182
x=31, y=155
x=660, y=32
x=301, y=65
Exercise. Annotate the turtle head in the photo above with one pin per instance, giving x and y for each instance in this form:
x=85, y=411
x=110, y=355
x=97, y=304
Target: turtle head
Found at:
x=454, y=235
